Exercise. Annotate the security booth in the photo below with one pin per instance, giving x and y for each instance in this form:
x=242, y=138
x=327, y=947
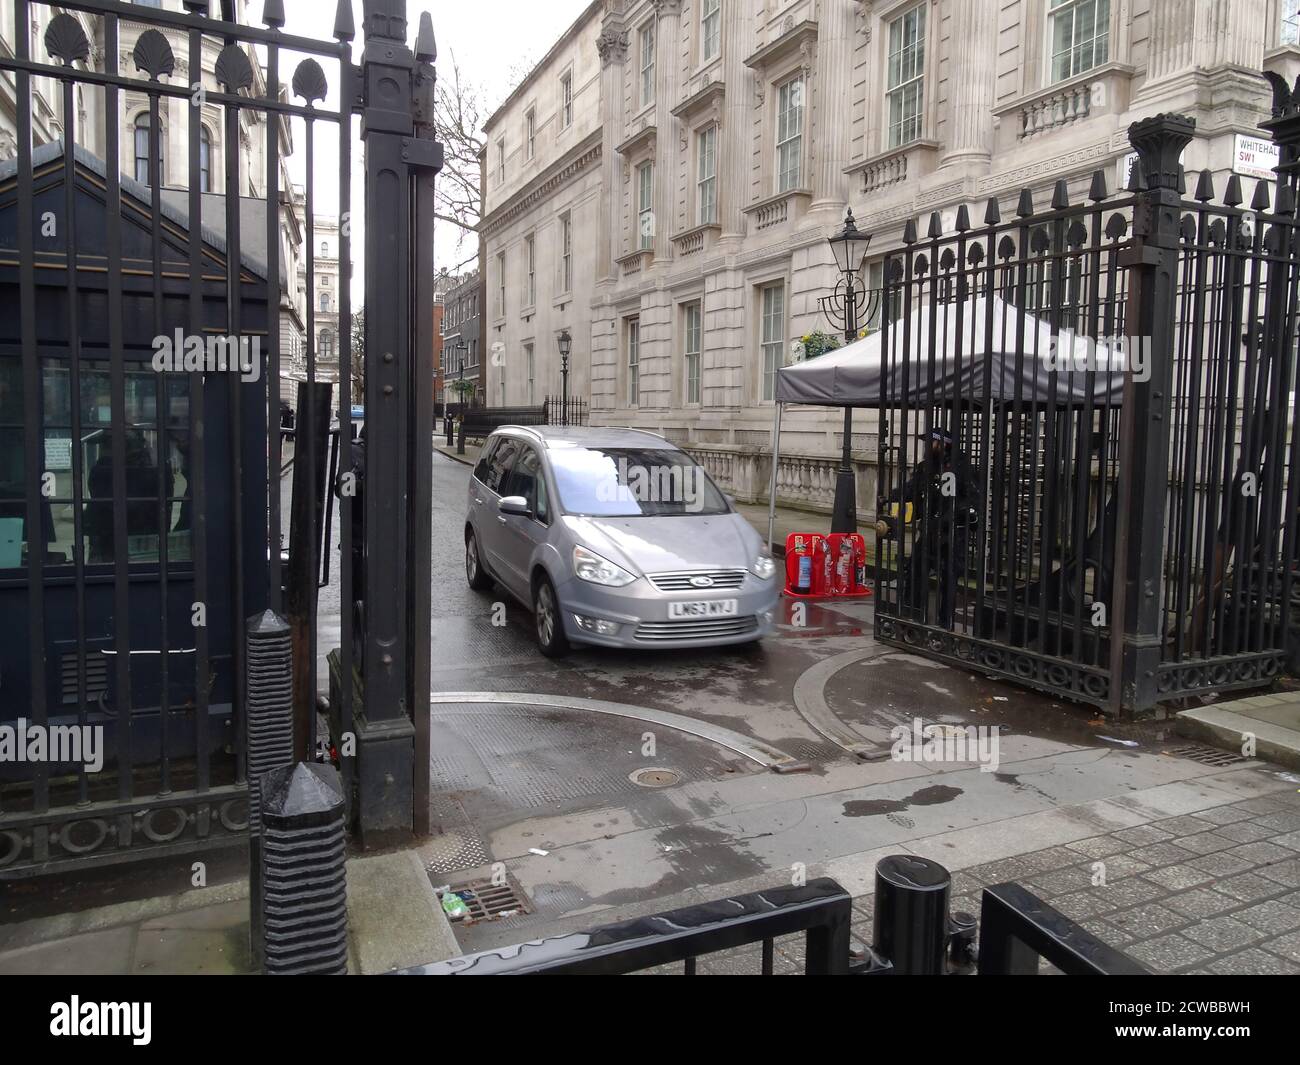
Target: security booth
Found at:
x=133, y=509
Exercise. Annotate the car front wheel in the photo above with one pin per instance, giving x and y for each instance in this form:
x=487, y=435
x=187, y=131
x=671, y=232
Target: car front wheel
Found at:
x=551, y=640
x=478, y=580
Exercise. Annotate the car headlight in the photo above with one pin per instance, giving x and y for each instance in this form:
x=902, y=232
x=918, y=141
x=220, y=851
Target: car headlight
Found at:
x=589, y=566
x=764, y=566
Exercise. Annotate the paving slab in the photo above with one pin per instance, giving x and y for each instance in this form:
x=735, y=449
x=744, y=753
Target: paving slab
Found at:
x=394, y=917
x=103, y=953
x=1274, y=721
x=193, y=951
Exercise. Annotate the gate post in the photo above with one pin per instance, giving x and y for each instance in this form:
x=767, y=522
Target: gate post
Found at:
x=1283, y=128
x=397, y=370
x=1152, y=261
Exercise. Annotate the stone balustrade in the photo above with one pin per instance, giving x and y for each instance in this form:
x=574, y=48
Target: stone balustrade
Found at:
x=1056, y=109
x=806, y=482
x=884, y=172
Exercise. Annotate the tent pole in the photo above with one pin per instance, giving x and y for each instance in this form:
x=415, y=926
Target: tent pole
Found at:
x=771, y=488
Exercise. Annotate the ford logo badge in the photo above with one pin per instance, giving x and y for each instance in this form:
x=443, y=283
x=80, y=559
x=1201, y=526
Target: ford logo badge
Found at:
x=702, y=582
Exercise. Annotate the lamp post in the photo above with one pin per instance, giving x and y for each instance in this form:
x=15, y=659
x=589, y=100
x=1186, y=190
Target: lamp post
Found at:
x=565, y=343
x=841, y=308
x=459, y=348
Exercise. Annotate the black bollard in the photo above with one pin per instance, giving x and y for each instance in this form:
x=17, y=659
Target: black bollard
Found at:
x=305, y=919
x=911, y=923
x=269, y=737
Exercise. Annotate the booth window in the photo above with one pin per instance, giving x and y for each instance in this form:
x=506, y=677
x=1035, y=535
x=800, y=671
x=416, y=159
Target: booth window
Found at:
x=158, y=499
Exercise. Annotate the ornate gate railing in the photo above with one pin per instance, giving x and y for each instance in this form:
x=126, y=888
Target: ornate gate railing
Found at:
x=1087, y=445
x=158, y=270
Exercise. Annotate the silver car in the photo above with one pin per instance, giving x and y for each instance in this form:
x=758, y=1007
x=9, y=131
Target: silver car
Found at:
x=614, y=537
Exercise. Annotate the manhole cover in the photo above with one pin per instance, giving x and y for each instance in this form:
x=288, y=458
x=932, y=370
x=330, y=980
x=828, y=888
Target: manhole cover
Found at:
x=1211, y=756
x=655, y=778
x=483, y=900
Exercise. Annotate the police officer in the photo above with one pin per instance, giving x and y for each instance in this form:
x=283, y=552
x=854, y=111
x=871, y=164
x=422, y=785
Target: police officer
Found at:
x=945, y=501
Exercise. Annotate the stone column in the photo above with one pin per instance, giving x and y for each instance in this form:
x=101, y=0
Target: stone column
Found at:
x=834, y=85
x=667, y=147
x=736, y=132
x=971, y=71
x=1236, y=38
x=612, y=45
x=1193, y=34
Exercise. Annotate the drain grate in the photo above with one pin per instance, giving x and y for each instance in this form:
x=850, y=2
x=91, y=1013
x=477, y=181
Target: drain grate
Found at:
x=487, y=901
x=1211, y=756
x=812, y=750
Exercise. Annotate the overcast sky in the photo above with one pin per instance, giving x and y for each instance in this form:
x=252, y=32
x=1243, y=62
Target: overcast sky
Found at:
x=492, y=41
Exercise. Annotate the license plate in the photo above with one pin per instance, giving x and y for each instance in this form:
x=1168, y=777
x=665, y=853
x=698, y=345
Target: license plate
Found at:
x=706, y=608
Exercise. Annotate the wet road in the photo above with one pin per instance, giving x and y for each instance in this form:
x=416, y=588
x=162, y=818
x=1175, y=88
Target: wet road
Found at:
x=558, y=795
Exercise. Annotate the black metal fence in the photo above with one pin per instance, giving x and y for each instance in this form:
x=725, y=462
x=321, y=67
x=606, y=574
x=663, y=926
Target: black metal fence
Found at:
x=821, y=910
x=553, y=410
x=1086, y=443
x=141, y=500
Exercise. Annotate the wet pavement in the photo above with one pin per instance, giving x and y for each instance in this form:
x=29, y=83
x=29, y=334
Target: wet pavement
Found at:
x=546, y=792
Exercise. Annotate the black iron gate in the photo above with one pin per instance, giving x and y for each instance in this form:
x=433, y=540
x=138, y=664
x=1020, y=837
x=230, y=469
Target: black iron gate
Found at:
x=1087, y=444
x=152, y=237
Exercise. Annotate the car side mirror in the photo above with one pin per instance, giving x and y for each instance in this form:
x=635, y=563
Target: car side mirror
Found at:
x=513, y=505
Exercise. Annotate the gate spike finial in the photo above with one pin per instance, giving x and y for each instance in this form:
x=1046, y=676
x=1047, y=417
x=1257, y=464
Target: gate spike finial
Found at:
x=936, y=225
x=992, y=212
x=344, y=28
x=909, y=231
x=426, y=48
x=963, y=219
x=1061, y=195
x=1097, y=191
x=1261, y=200
x=1285, y=200
x=1205, y=187
x=197, y=7
x=1232, y=194
x=1026, y=205
x=273, y=13
x=1136, y=182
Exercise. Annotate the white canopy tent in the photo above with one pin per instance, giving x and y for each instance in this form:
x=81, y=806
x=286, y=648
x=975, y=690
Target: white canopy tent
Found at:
x=996, y=349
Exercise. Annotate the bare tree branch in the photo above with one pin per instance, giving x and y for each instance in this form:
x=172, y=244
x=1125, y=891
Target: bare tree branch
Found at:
x=459, y=115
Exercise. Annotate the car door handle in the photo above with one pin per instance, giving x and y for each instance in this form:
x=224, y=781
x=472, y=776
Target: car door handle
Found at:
x=477, y=501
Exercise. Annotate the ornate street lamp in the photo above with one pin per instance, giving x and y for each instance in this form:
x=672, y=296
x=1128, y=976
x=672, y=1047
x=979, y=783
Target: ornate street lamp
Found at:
x=459, y=348
x=565, y=343
x=849, y=245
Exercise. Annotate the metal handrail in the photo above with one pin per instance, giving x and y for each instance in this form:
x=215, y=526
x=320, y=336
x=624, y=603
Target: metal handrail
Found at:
x=1017, y=928
x=821, y=909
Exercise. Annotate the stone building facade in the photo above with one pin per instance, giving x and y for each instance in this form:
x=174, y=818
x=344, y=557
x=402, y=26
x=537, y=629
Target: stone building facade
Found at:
x=729, y=136
x=462, y=338
x=543, y=206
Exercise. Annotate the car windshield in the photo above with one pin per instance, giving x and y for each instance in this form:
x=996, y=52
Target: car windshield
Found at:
x=630, y=482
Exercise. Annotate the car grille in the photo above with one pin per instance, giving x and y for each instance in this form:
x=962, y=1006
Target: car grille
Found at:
x=681, y=582
x=696, y=628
